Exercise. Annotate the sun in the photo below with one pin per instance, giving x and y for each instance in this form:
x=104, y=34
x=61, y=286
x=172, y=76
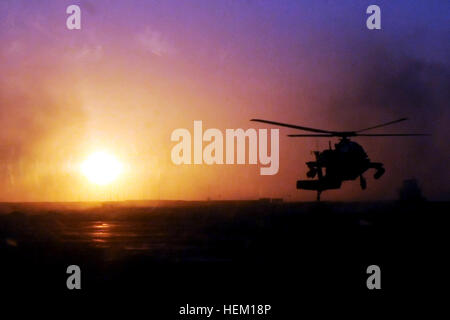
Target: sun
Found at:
x=101, y=168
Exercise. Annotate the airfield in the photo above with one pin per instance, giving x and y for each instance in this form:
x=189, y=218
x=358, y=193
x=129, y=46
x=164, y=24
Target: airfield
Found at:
x=175, y=252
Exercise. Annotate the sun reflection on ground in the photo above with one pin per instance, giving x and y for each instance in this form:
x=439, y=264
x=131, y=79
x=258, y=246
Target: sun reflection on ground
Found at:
x=101, y=231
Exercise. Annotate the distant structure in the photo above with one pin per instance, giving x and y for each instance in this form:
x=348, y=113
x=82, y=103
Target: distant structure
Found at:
x=271, y=200
x=277, y=200
x=410, y=191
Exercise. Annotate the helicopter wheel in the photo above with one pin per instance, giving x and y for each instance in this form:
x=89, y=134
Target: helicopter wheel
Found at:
x=362, y=182
x=380, y=171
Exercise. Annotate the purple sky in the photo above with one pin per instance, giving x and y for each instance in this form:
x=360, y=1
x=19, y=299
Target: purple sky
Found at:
x=137, y=70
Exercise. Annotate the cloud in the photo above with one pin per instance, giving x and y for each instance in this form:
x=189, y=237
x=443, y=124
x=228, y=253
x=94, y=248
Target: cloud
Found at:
x=87, y=52
x=154, y=42
x=392, y=85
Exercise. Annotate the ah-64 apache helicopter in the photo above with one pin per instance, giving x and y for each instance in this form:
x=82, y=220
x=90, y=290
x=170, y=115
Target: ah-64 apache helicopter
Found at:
x=347, y=161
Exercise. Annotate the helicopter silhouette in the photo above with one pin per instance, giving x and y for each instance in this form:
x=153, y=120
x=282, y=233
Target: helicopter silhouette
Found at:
x=347, y=161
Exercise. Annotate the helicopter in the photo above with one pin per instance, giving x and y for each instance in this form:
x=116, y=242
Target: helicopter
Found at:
x=347, y=161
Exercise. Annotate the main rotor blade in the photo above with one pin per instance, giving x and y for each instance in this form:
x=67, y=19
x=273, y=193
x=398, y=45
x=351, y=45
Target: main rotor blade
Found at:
x=382, y=125
x=292, y=126
x=311, y=135
x=393, y=135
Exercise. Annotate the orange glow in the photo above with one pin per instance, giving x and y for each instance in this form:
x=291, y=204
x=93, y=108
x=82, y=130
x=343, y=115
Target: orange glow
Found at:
x=101, y=168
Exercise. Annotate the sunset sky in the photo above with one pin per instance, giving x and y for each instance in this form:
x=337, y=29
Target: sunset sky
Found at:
x=137, y=70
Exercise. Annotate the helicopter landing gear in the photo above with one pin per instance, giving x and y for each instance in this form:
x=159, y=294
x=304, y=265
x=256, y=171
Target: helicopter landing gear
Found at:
x=362, y=182
x=379, y=169
x=379, y=173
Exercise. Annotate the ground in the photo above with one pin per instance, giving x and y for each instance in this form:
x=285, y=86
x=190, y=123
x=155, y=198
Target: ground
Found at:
x=174, y=253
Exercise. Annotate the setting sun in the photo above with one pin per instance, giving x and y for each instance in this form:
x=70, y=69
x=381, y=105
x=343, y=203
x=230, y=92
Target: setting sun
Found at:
x=101, y=168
